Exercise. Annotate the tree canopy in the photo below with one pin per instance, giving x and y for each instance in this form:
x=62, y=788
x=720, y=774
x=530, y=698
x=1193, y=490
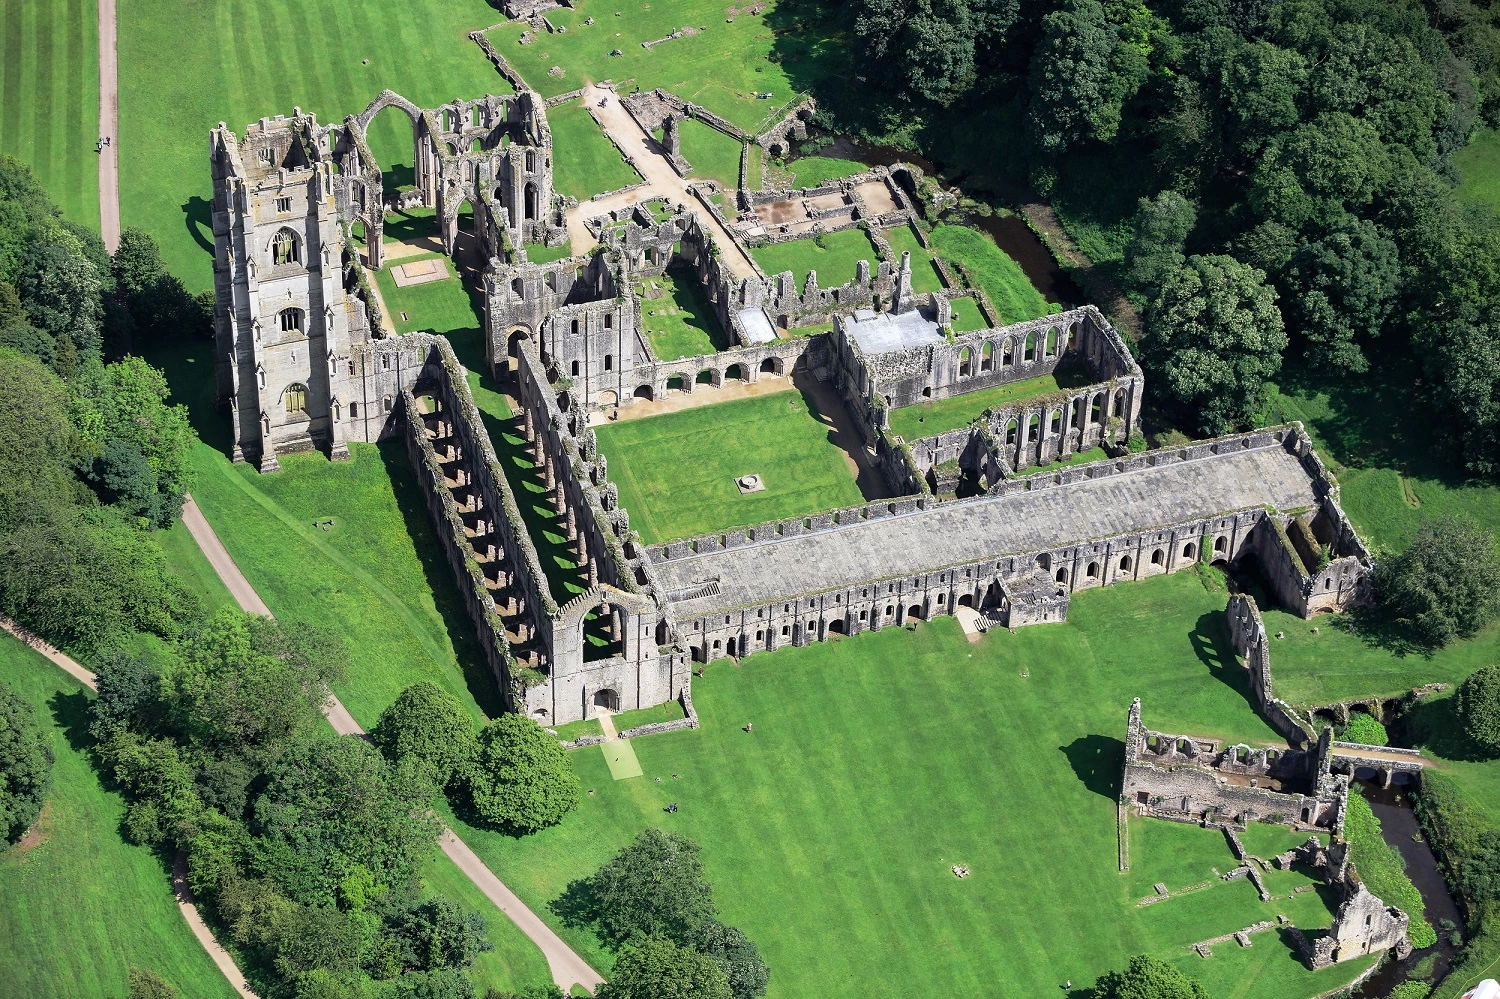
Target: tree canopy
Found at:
x=1148, y=978
x=25, y=765
x=1478, y=705
x=428, y=729
x=519, y=777
x=1445, y=584
x=654, y=968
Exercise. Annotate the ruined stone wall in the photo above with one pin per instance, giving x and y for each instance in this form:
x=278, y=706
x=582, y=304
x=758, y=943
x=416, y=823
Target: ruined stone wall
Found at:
x=1247, y=633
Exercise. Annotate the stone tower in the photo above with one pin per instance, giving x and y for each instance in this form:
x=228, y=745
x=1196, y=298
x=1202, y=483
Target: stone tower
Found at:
x=283, y=322
x=902, y=299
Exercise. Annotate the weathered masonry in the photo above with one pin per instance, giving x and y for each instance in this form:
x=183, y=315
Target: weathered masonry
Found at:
x=291, y=309
x=1043, y=536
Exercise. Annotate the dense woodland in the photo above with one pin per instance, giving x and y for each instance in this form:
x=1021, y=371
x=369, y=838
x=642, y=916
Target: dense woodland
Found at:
x=1271, y=183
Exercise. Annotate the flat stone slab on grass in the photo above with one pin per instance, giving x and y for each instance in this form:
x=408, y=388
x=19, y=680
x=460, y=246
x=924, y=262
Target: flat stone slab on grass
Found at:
x=750, y=484
x=420, y=272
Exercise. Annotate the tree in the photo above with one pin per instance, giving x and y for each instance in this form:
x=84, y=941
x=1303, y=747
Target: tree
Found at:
x=659, y=969
x=1445, y=585
x=1341, y=290
x=331, y=806
x=520, y=778
x=1147, y=978
x=1161, y=228
x=147, y=984
x=426, y=727
x=129, y=686
x=25, y=765
x=1263, y=85
x=747, y=974
x=137, y=262
x=1214, y=337
x=654, y=887
x=1478, y=705
x=548, y=991
x=929, y=49
x=61, y=291
x=1317, y=172
x=438, y=933
x=36, y=441
x=249, y=684
x=1074, y=91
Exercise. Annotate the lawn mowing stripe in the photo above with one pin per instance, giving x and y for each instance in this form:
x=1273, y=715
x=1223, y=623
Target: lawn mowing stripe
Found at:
x=620, y=756
x=323, y=548
x=626, y=482
x=12, y=105
x=82, y=178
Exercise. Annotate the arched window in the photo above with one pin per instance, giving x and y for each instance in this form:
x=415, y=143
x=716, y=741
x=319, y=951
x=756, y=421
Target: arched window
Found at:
x=987, y=357
x=964, y=363
x=290, y=319
x=285, y=248
x=1189, y=550
x=1008, y=353
x=296, y=399
x=609, y=321
x=530, y=161
x=1055, y=426
x=1093, y=570
x=1052, y=341
x=1010, y=432
x=1030, y=354
x=1125, y=563
x=353, y=410
x=518, y=287
x=1157, y=557
x=574, y=369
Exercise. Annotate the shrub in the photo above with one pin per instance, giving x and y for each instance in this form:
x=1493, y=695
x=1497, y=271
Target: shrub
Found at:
x=1364, y=729
x=428, y=729
x=1478, y=705
x=659, y=969
x=1411, y=990
x=25, y=765
x=520, y=778
x=147, y=984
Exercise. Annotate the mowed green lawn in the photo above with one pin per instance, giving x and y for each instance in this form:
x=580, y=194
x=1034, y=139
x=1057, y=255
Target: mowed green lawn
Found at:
x=585, y=162
x=924, y=275
x=835, y=261
x=185, y=67
x=1479, y=168
x=714, y=155
x=813, y=171
x=49, y=98
x=879, y=762
x=722, y=67
x=1011, y=292
x=681, y=321
x=677, y=471
x=81, y=906
x=929, y=418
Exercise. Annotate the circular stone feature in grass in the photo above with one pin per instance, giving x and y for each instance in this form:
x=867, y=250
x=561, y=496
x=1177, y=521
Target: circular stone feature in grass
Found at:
x=750, y=484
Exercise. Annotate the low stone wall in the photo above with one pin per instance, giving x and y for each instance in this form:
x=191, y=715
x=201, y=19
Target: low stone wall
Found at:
x=1247, y=633
x=676, y=725
x=498, y=61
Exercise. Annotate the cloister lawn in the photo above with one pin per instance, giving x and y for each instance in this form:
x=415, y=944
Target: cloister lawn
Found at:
x=722, y=67
x=584, y=161
x=835, y=261
x=811, y=171
x=81, y=906
x=676, y=471
x=681, y=322
x=185, y=67
x=879, y=762
x=49, y=103
x=929, y=418
x=714, y=155
x=924, y=275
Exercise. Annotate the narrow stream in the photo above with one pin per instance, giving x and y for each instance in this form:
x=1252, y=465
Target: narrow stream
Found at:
x=1399, y=829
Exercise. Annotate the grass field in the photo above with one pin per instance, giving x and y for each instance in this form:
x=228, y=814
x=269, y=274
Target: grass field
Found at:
x=1011, y=292
x=812, y=171
x=188, y=561
x=1479, y=168
x=676, y=471
x=81, y=906
x=714, y=155
x=835, y=261
x=928, y=418
x=49, y=98
x=722, y=67
x=585, y=163
x=239, y=60
x=878, y=762
x=680, y=322
x=515, y=961
x=924, y=274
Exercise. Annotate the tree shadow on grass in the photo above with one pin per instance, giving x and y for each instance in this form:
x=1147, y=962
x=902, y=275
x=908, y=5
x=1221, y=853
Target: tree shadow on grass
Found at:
x=1434, y=725
x=439, y=577
x=1098, y=761
x=70, y=712
x=578, y=906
